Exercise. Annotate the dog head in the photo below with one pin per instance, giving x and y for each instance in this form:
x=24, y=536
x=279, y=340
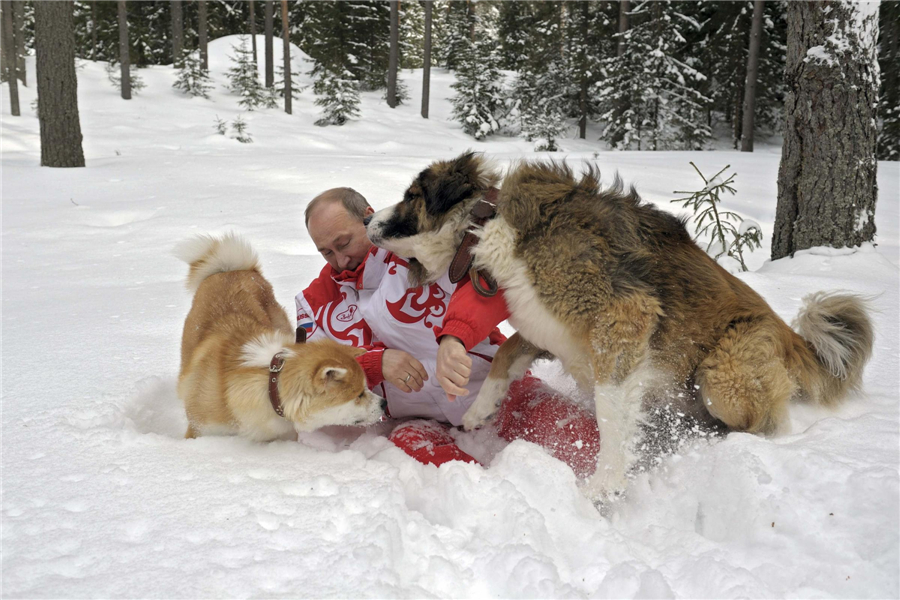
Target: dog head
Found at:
x=321, y=384
x=428, y=224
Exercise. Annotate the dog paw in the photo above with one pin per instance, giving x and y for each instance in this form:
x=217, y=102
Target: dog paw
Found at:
x=489, y=399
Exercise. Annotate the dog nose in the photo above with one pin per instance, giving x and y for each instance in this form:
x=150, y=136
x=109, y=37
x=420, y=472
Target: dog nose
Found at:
x=367, y=220
x=383, y=405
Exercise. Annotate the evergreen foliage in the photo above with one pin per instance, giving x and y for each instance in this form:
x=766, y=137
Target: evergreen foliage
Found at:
x=278, y=86
x=650, y=99
x=335, y=84
x=459, y=23
x=412, y=34
x=889, y=100
x=726, y=233
x=243, y=79
x=114, y=74
x=192, y=79
x=239, y=126
x=479, y=102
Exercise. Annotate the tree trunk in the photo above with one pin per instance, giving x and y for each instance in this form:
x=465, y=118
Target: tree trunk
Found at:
x=736, y=119
x=203, y=34
x=750, y=83
x=394, y=56
x=9, y=50
x=288, y=93
x=270, y=52
x=54, y=42
x=124, y=55
x=177, y=34
x=93, y=30
x=19, y=35
x=470, y=15
x=624, y=7
x=826, y=181
x=426, y=65
x=253, y=31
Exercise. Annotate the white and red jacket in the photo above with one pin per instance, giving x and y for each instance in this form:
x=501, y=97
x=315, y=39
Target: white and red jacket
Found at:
x=372, y=308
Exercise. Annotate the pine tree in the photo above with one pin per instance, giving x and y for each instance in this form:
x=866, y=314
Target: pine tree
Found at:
x=338, y=95
x=455, y=33
x=279, y=82
x=651, y=98
x=515, y=33
x=369, y=24
x=479, y=100
x=191, y=78
x=335, y=84
x=244, y=79
x=412, y=27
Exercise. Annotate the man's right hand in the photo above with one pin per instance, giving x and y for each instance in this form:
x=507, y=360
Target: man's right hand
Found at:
x=402, y=370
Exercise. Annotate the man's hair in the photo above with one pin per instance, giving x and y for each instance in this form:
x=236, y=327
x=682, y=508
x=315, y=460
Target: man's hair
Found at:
x=354, y=202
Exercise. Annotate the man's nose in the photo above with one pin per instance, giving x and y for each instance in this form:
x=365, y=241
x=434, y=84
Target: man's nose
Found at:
x=367, y=220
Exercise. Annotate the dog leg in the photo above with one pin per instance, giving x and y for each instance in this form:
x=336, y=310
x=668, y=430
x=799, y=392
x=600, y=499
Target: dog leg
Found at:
x=511, y=362
x=191, y=432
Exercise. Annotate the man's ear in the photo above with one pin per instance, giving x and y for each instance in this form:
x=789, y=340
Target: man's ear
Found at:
x=331, y=374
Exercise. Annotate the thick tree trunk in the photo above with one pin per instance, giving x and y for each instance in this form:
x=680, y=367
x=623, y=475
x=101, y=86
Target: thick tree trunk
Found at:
x=9, y=50
x=253, y=31
x=750, y=83
x=426, y=66
x=177, y=34
x=124, y=55
x=203, y=34
x=270, y=51
x=826, y=181
x=394, y=56
x=93, y=30
x=19, y=35
x=624, y=7
x=286, y=33
x=54, y=42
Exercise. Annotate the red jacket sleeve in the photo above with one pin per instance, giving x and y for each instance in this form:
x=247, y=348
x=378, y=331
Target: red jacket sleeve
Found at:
x=471, y=317
x=371, y=364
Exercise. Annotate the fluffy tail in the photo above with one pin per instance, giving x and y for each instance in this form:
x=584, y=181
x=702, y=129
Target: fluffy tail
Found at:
x=208, y=255
x=838, y=340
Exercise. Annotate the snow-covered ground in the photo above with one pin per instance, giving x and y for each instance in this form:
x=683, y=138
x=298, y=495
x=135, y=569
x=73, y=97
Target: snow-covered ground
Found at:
x=102, y=497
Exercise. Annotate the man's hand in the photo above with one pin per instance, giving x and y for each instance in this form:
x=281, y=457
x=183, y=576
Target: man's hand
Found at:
x=402, y=370
x=453, y=367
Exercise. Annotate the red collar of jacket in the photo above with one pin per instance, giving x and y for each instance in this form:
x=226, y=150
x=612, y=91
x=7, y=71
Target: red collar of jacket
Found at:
x=354, y=277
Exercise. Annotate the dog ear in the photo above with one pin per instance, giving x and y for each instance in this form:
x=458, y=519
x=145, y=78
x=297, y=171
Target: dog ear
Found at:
x=446, y=187
x=331, y=374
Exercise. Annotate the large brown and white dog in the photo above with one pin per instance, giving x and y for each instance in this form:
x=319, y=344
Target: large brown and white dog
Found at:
x=618, y=291
x=234, y=329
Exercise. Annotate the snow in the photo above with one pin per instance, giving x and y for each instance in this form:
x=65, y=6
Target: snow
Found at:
x=103, y=498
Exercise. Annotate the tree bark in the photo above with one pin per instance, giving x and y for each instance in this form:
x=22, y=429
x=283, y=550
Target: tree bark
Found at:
x=19, y=35
x=177, y=34
x=54, y=42
x=124, y=55
x=93, y=30
x=253, y=31
x=624, y=7
x=9, y=50
x=426, y=65
x=288, y=93
x=826, y=181
x=750, y=83
x=203, y=34
x=394, y=56
x=270, y=51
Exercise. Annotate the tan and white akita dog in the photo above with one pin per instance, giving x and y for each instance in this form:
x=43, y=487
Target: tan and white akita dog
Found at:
x=619, y=292
x=241, y=370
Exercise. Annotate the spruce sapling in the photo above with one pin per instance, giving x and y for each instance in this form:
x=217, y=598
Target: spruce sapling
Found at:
x=729, y=235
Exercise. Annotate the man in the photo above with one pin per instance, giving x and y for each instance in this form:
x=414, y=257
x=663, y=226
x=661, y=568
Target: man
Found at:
x=361, y=298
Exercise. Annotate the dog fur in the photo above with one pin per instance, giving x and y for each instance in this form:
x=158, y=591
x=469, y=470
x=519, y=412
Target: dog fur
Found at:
x=234, y=328
x=632, y=307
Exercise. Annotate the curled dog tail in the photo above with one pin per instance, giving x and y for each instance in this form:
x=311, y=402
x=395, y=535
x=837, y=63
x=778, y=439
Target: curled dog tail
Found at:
x=208, y=255
x=837, y=342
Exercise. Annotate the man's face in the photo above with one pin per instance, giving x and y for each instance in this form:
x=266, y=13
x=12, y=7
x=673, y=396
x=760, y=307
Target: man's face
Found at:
x=340, y=238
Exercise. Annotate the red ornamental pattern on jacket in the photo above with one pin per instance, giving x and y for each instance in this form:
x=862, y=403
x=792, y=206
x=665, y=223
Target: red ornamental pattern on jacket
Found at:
x=342, y=323
x=428, y=304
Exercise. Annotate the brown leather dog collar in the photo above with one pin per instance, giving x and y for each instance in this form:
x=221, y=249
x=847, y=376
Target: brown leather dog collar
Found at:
x=274, y=369
x=484, y=209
